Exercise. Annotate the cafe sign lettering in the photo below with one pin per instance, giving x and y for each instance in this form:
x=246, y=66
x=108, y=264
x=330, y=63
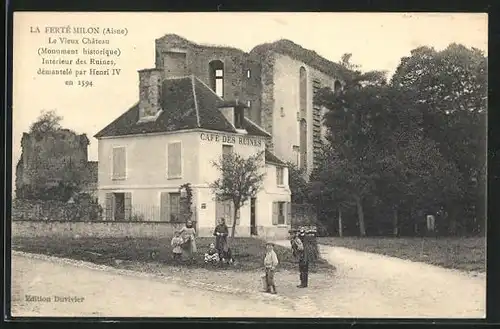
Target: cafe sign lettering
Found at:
x=230, y=139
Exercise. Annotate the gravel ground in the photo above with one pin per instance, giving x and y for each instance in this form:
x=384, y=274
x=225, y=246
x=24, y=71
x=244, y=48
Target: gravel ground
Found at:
x=372, y=285
x=363, y=285
x=100, y=293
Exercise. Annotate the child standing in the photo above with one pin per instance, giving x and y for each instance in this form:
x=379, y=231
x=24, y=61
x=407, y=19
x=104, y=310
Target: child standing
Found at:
x=176, y=243
x=270, y=264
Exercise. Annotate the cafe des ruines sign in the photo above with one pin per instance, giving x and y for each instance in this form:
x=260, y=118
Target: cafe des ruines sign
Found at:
x=230, y=139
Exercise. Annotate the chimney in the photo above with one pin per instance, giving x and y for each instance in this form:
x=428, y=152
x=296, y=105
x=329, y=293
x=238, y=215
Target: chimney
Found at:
x=150, y=89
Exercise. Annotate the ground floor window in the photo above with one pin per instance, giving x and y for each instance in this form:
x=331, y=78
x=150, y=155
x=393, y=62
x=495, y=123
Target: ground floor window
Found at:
x=118, y=206
x=281, y=213
x=170, y=207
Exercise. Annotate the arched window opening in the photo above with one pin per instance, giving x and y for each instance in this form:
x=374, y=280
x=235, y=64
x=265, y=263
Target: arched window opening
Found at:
x=217, y=77
x=303, y=92
x=303, y=144
x=337, y=86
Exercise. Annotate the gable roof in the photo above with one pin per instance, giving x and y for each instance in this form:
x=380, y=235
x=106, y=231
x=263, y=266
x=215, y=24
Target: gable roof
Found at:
x=273, y=159
x=187, y=103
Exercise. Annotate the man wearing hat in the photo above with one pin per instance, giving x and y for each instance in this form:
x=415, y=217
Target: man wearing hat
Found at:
x=301, y=251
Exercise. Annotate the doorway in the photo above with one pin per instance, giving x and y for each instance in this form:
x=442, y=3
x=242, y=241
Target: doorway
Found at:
x=253, y=226
x=119, y=211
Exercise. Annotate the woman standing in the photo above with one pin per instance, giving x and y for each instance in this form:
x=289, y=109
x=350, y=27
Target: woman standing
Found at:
x=188, y=235
x=221, y=232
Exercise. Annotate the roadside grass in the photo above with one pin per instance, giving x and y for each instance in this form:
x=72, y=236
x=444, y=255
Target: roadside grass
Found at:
x=248, y=252
x=467, y=254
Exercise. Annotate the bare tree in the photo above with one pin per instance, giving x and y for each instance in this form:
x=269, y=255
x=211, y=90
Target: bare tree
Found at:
x=240, y=179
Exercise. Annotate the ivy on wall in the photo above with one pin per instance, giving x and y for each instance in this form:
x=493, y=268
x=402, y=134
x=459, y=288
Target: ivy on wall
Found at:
x=186, y=202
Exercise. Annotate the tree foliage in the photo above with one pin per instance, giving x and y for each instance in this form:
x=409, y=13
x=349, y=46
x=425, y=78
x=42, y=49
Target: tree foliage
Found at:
x=239, y=180
x=48, y=121
x=297, y=183
x=408, y=147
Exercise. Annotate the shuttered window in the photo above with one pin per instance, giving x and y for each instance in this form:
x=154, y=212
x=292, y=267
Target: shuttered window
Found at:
x=280, y=212
x=275, y=213
x=174, y=160
x=279, y=176
x=175, y=207
x=118, y=206
x=128, y=206
x=119, y=163
x=170, y=207
x=164, y=207
x=108, y=214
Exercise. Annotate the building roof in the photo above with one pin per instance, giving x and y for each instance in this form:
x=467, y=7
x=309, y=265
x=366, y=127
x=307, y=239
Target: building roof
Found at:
x=273, y=159
x=309, y=57
x=187, y=103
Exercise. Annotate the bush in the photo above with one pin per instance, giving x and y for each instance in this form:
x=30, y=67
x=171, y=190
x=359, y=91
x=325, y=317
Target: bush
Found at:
x=84, y=208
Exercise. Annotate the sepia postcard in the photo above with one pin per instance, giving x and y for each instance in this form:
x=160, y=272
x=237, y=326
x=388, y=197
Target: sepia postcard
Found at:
x=306, y=165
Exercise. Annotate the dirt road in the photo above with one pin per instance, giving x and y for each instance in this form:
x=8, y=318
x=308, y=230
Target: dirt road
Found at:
x=97, y=293
x=364, y=285
x=371, y=285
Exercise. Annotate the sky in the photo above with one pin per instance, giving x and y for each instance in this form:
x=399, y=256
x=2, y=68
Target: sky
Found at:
x=377, y=41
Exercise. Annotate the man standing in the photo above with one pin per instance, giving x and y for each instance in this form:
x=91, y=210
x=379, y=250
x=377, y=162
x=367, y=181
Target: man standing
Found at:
x=300, y=250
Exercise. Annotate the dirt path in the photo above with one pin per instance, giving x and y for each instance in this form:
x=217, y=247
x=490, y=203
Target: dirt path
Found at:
x=101, y=294
x=371, y=285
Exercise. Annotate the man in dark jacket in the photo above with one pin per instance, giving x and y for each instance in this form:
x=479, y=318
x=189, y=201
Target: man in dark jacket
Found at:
x=301, y=250
x=304, y=258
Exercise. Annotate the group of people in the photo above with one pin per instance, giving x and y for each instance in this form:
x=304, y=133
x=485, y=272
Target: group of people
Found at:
x=184, y=243
x=303, y=250
x=220, y=252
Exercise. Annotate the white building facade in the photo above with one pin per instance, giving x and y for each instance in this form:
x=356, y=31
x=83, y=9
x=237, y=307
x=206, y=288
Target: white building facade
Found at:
x=171, y=138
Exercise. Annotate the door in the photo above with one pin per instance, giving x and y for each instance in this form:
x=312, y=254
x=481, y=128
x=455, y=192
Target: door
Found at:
x=253, y=225
x=224, y=209
x=119, y=206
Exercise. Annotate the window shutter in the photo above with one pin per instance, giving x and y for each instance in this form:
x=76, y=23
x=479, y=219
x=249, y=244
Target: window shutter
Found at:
x=128, y=206
x=109, y=207
x=119, y=163
x=275, y=213
x=174, y=160
x=288, y=218
x=164, y=207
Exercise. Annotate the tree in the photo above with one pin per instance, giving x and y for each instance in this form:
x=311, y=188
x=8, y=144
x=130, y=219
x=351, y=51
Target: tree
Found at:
x=345, y=171
x=354, y=78
x=451, y=88
x=297, y=183
x=240, y=180
x=379, y=156
x=48, y=121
